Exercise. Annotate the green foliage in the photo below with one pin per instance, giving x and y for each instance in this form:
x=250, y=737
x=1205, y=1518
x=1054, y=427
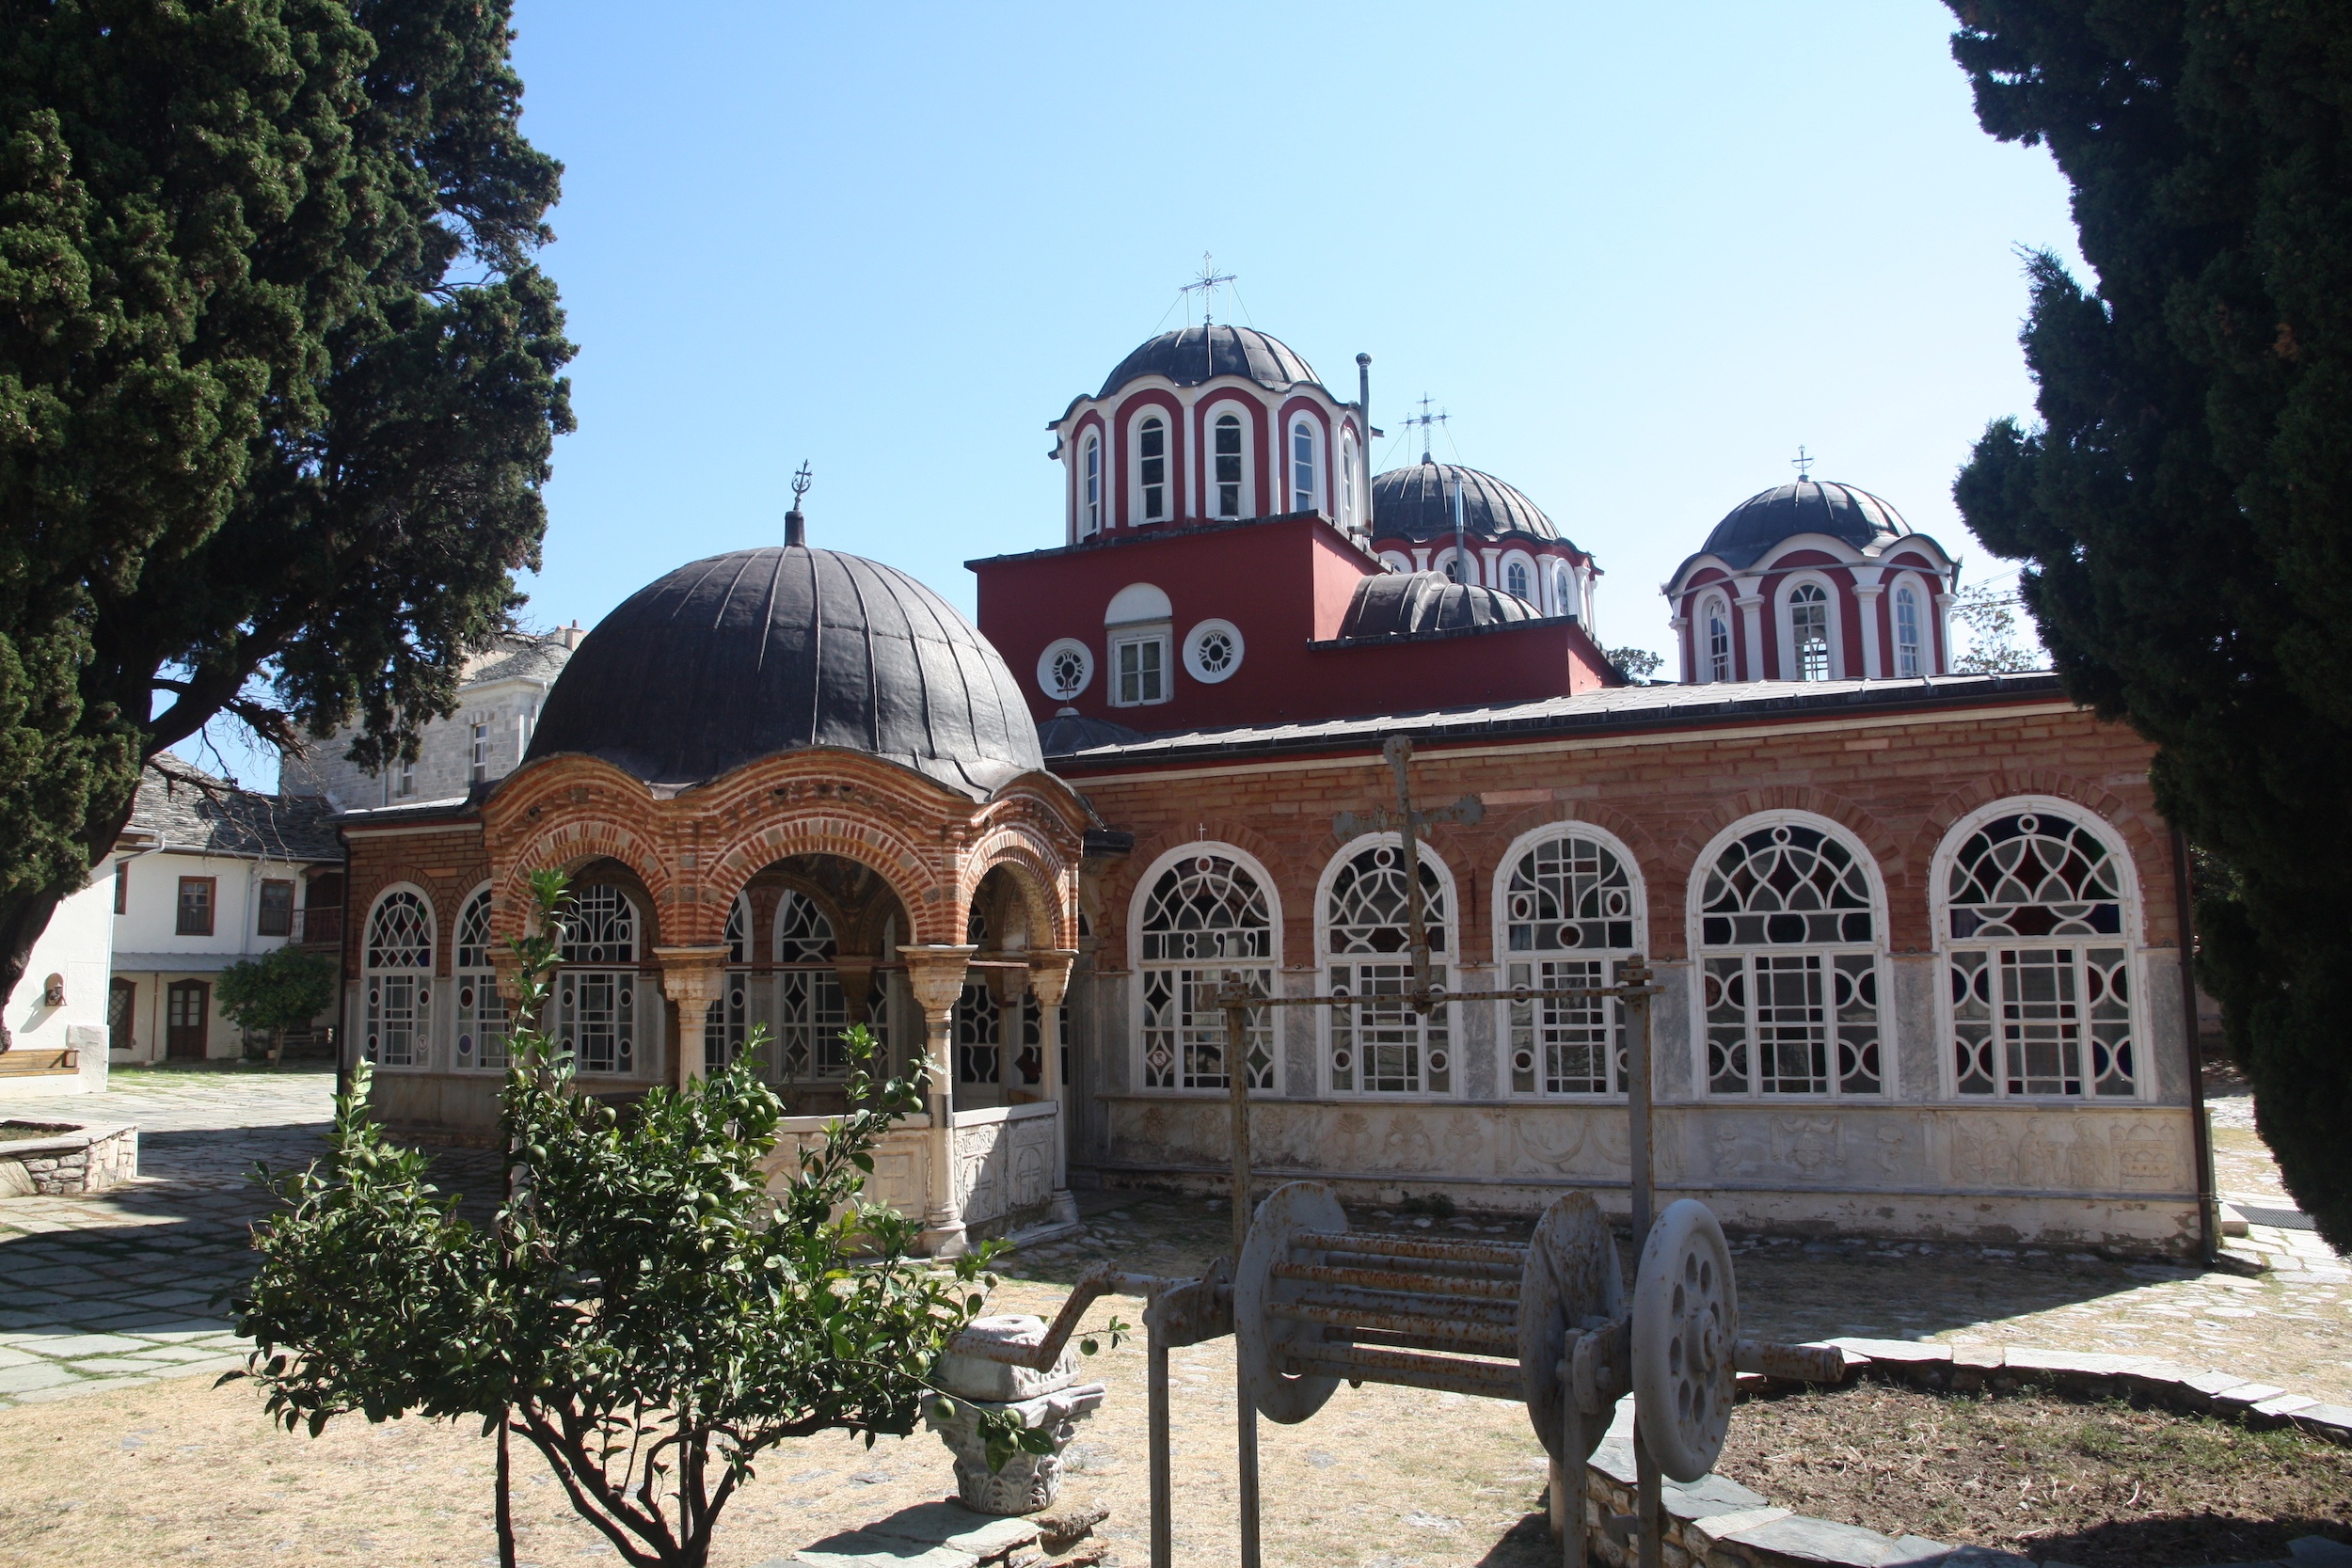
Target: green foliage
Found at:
x=647, y=1309
x=1989, y=611
x=281, y=990
x=278, y=385
x=1635, y=665
x=2185, y=503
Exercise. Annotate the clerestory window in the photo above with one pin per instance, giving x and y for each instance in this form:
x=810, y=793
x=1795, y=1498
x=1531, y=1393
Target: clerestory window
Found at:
x=1808, y=630
x=1302, y=466
x=1907, y=640
x=1152, y=466
x=1090, y=488
x=1718, y=632
x=1226, y=456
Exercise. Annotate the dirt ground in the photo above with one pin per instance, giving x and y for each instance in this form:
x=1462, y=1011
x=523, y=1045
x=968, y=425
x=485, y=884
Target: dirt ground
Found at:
x=2100, y=1484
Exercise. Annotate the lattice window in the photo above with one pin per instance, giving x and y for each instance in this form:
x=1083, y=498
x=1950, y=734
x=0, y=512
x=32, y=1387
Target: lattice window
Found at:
x=483, y=1023
x=398, y=963
x=726, y=1021
x=2032, y=1012
x=1808, y=630
x=1205, y=914
x=811, y=1010
x=980, y=1036
x=595, y=992
x=1378, y=1043
x=1568, y=894
x=1790, y=974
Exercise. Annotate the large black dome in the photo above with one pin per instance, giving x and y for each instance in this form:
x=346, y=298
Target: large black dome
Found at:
x=1417, y=503
x=1809, y=506
x=745, y=654
x=1197, y=354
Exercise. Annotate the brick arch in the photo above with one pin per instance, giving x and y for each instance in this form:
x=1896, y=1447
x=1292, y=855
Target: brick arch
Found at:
x=2145, y=835
x=1119, y=889
x=568, y=842
x=913, y=877
x=1035, y=873
x=1664, y=880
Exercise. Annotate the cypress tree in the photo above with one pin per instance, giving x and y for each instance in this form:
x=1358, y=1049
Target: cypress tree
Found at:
x=278, y=383
x=2184, y=502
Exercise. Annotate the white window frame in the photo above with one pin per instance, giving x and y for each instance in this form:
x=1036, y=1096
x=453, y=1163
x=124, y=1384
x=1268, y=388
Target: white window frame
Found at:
x=727, y=1017
x=1526, y=564
x=1534, y=1017
x=1152, y=646
x=812, y=1018
x=1563, y=589
x=1923, y=647
x=1785, y=617
x=1270, y=967
x=1877, y=949
x=636, y=1027
x=1348, y=479
x=392, y=994
x=1139, y=490
x=1196, y=644
x=2132, y=939
x=1246, y=505
x=481, y=1006
x=1444, y=968
x=1311, y=497
x=1091, y=484
x=1715, y=611
x=1053, y=656
x=478, y=757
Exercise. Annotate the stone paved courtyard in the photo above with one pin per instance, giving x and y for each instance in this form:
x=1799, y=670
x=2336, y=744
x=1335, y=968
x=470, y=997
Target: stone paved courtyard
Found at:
x=111, y=1339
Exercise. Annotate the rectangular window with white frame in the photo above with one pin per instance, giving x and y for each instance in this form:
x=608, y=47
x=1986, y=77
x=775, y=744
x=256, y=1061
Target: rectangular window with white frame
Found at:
x=1139, y=668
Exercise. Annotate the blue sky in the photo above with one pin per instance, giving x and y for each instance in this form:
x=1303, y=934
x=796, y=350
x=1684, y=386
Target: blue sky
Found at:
x=1639, y=253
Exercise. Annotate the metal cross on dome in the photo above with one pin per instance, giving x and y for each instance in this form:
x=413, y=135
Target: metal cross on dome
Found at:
x=1425, y=419
x=1803, y=463
x=1206, y=283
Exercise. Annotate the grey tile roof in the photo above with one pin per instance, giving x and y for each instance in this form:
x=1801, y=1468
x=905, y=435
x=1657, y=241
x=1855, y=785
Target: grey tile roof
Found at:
x=236, y=822
x=1610, y=709
x=1417, y=503
x=537, y=658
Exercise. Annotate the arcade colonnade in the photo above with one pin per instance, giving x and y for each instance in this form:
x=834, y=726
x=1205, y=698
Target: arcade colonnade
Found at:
x=807, y=891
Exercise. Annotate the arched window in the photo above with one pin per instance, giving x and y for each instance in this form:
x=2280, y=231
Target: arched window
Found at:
x=1378, y=1044
x=1090, y=488
x=596, y=991
x=481, y=1021
x=1570, y=911
x=1457, y=567
x=398, y=961
x=726, y=1023
x=1303, y=467
x=1562, y=591
x=1515, y=580
x=811, y=1012
x=1907, y=642
x=1790, y=977
x=1716, y=623
x=2038, y=968
x=1226, y=453
x=1206, y=915
x=1152, y=466
x=1808, y=630
x=1348, y=482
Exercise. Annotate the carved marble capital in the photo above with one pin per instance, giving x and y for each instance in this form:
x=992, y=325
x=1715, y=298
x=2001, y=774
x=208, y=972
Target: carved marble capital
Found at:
x=692, y=977
x=935, y=975
x=1049, y=974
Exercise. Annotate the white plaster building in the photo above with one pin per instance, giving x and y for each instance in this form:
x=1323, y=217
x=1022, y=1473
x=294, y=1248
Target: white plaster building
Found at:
x=497, y=708
x=58, y=1016
x=207, y=878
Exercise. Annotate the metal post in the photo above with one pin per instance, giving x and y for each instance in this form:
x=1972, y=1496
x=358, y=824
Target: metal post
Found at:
x=1235, y=999
x=1570, y=1479
x=1646, y=1504
x=1634, y=976
x=1155, y=1347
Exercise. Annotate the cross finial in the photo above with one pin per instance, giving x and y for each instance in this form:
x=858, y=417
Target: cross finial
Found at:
x=1425, y=419
x=1205, y=283
x=800, y=482
x=1803, y=463
x=796, y=526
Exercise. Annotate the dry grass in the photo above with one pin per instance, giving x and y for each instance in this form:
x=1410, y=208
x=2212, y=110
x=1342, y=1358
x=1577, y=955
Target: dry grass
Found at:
x=2102, y=1485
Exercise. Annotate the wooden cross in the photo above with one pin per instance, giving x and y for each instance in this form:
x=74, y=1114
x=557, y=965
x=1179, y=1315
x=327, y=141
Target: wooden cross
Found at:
x=1408, y=825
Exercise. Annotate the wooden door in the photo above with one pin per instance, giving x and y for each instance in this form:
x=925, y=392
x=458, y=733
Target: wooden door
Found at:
x=122, y=1007
x=186, y=1007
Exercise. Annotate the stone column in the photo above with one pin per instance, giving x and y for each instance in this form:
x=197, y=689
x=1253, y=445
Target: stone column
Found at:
x=1049, y=981
x=1866, y=589
x=692, y=979
x=935, y=975
x=1752, y=626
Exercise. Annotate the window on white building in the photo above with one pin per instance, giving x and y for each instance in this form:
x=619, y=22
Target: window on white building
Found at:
x=397, y=966
x=1716, y=625
x=481, y=752
x=1515, y=580
x=1206, y=915
x=596, y=991
x=1378, y=1044
x=1302, y=466
x=407, y=781
x=1789, y=972
x=1907, y=662
x=1090, y=488
x=1808, y=630
x=1152, y=466
x=482, y=1021
x=1228, y=459
x=1570, y=911
x=2038, y=968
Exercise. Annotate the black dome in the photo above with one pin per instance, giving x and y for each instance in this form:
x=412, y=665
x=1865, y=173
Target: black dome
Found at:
x=1809, y=506
x=1404, y=604
x=745, y=654
x=1417, y=503
x=1197, y=354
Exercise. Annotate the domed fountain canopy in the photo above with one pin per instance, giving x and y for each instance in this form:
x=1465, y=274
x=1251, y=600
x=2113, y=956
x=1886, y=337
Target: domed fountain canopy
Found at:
x=756, y=651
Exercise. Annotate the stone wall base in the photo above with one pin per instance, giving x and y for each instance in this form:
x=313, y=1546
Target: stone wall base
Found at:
x=78, y=1161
